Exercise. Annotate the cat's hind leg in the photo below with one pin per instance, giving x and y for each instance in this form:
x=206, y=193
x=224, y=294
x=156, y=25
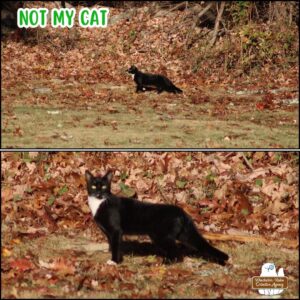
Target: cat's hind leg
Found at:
x=168, y=247
x=159, y=90
x=191, y=238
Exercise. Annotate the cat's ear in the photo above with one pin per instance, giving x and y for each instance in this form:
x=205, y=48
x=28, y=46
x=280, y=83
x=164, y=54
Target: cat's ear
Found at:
x=88, y=176
x=109, y=176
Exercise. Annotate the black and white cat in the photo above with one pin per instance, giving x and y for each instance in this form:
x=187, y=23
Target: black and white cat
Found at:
x=145, y=80
x=164, y=223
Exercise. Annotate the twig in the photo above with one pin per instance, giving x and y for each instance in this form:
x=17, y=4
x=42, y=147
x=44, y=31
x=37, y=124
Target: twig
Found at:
x=216, y=29
x=247, y=162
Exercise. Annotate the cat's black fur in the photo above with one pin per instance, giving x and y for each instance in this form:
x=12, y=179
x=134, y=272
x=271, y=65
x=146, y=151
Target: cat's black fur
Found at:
x=146, y=80
x=164, y=223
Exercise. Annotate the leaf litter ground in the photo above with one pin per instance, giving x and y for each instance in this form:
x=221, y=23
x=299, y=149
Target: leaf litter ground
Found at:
x=52, y=248
x=71, y=265
x=69, y=88
x=111, y=119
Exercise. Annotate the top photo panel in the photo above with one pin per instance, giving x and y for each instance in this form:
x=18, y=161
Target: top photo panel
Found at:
x=149, y=74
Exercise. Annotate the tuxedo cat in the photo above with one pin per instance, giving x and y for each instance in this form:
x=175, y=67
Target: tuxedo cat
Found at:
x=164, y=223
x=144, y=80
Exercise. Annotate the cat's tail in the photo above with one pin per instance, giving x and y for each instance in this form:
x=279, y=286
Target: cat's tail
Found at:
x=177, y=90
x=193, y=239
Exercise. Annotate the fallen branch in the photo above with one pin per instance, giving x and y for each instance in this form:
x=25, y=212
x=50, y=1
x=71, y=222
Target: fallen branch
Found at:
x=250, y=238
x=217, y=23
x=192, y=29
x=179, y=6
x=204, y=10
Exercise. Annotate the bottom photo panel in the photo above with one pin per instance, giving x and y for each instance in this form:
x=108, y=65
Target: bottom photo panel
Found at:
x=149, y=224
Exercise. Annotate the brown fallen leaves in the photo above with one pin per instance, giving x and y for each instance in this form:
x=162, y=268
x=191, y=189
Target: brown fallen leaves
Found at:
x=61, y=265
x=22, y=264
x=227, y=189
x=249, y=196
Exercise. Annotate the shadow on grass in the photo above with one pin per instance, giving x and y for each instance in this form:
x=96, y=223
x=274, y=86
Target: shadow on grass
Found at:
x=147, y=248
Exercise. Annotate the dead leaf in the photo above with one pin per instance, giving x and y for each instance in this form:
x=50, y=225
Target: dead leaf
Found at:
x=6, y=252
x=181, y=196
x=22, y=264
x=61, y=265
x=6, y=194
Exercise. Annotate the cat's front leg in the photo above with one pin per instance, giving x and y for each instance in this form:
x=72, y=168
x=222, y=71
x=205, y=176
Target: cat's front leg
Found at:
x=139, y=88
x=116, y=239
x=168, y=247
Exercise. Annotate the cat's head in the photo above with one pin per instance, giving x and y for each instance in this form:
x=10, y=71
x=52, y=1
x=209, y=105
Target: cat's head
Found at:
x=98, y=186
x=132, y=70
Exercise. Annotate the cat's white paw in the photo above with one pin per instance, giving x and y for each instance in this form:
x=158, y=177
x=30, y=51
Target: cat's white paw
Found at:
x=111, y=263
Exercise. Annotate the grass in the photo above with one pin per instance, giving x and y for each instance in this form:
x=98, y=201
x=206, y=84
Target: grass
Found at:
x=148, y=120
x=139, y=275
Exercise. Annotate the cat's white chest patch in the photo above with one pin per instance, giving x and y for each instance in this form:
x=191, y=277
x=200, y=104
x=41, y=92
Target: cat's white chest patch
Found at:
x=94, y=204
x=132, y=75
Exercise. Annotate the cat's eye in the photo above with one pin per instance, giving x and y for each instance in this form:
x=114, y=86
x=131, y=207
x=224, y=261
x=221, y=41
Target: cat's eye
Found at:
x=104, y=187
x=94, y=187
